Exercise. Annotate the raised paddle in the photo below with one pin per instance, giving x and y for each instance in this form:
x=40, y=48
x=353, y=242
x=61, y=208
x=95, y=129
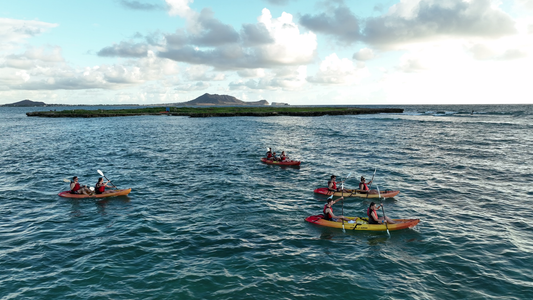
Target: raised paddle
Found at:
x=371, y=181
x=383, y=209
x=102, y=173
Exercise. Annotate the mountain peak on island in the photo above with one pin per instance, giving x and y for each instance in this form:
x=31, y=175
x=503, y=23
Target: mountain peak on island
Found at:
x=215, y=99
x=25, y=103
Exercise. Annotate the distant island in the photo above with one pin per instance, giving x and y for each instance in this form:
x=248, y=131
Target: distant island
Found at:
x=204, y=100
x=25, y=103
x=29, y=103
x=212, y=105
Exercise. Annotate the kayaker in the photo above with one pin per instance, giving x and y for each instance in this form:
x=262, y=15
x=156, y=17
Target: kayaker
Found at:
x=274, y=157
x=373, y=215
x=282, y=157
x=100, y=186
x=76, y=188
x=328, y=211
x=363, y=186
x=269, y=154
x=332, y=185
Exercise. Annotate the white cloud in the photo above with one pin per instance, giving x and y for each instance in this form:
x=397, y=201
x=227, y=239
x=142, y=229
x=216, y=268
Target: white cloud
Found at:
x=286, y=78
x=334, y=70
x=413, y=21
x=364, y=54
x=60, y=75
x=202, y=73
x=179, y=7
x=251, y=73
x=14, y=32
x=282, y=44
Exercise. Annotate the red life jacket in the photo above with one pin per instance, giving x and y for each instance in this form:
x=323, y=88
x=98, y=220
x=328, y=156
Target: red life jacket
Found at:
x=334, y=185
x=269, y=155
x=327, y=216
x=76, y=187
x=370, y=219
x=100, y=189
x=365, y=187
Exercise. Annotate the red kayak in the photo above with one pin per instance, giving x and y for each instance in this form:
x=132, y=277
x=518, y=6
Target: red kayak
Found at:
x=281, y=163
x=112, y=193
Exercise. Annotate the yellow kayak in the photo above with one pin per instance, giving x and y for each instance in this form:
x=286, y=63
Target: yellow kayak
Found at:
x=357, y=223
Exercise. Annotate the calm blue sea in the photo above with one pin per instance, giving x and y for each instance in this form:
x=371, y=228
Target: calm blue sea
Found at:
x=207, y=220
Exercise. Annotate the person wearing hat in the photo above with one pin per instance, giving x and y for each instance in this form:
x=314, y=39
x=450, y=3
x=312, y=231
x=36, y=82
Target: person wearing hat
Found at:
x=363, y=185
x=328, y=211
x=332, y=185
x=373, y=215
x=269, y=154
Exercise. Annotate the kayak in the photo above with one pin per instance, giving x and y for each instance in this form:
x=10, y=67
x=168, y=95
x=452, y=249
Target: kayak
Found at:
x=281, y=163
x=67, y=194
x=357, y=223
x=357, y=193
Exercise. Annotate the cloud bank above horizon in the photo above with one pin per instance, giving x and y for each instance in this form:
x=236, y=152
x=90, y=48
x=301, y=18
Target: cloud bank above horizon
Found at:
x=329, y=52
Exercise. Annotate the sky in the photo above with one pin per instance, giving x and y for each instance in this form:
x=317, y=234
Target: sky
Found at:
x=301, y=52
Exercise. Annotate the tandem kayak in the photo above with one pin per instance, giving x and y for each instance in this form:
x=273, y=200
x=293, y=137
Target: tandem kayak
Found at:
x=357, y=193
x=357, y=223
x=281, y=163
x=67, y=194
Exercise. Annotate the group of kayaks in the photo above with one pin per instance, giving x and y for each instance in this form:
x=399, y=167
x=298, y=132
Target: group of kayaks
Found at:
x=354, y=223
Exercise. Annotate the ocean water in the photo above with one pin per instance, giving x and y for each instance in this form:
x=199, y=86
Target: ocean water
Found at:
x=207, y=220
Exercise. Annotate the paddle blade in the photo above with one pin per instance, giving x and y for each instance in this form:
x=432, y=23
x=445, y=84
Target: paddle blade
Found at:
x=330, y=197
x=379, y=195
x=101, y=173
x=66, y=180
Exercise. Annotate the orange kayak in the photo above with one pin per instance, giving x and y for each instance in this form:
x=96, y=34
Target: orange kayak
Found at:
x=67, y=194
x=357, y=223
x=281, y=163
x=357, y=193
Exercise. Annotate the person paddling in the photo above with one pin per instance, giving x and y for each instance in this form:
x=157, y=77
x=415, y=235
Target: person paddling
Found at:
x=363, y=186
x=328, y=211
x=373, y=215
x=332, y=185
x=283, y=157
x=269, y=154
x=76, y=188
x=100, y=186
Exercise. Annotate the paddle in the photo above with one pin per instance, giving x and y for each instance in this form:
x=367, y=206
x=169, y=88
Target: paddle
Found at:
x=383, y=209
x=371, y=181
x=102, y=174
x=342, y=195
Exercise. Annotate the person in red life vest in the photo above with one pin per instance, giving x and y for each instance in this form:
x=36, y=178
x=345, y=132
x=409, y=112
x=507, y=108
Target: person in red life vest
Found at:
x=100, y=186
x=283, y=157
x=269, y=154
x=76, y=188
x=363, y=186
x=373, y=215
x=328, y=211
x=332, y=185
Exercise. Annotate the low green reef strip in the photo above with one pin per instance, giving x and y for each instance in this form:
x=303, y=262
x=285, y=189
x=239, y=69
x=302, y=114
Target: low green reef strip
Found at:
x=203, y=112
